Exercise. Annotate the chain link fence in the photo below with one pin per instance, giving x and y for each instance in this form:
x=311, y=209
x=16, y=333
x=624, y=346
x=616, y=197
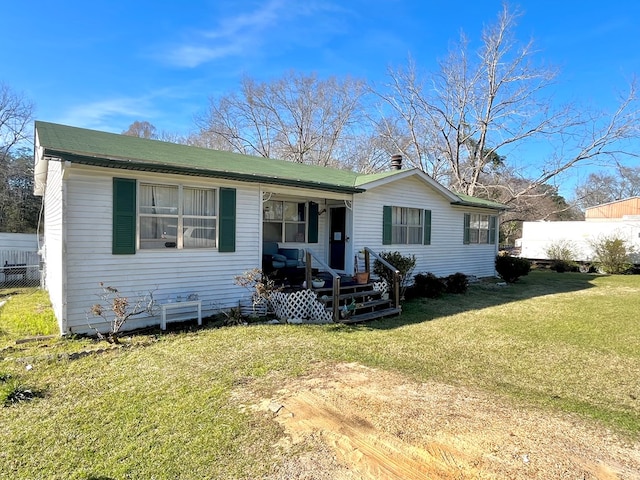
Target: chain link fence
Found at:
x=19, y=269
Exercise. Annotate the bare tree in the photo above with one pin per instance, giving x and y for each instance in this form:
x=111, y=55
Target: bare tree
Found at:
x=16, y=115
x=604, y=187
x=300, y=118
x=406, y=124
x=147, y=130
x=19, y=207
x=460, y=123
x=142, y=130
x=541, y=203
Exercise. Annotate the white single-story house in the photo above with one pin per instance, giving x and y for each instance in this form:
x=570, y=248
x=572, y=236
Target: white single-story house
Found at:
x=144, y=215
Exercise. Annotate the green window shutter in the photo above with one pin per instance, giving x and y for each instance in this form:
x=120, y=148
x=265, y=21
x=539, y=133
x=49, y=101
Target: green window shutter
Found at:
x=227, y=220
x=493, y=223
x=313, y=222
x=124, y=217
x=387, y=226
x=467, y=226
x=427, y=227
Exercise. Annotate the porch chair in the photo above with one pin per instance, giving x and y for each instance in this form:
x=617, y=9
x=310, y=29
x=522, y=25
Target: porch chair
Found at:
x=272, y=260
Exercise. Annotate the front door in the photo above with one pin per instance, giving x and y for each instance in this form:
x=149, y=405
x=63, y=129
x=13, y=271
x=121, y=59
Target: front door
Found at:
x=337, y=239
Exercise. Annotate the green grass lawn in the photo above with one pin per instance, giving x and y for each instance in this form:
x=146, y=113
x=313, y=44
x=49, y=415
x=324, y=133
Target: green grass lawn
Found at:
x=164, y=407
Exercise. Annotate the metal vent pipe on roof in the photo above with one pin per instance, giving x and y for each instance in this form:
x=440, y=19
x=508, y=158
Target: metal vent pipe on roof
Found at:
x=396, y=162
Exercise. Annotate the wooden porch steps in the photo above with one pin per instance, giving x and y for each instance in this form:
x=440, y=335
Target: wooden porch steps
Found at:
x=359, y=303
x=364, y=317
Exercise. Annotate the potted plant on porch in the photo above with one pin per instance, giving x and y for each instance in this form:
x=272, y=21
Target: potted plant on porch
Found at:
x=362, y=277
x=317, y=282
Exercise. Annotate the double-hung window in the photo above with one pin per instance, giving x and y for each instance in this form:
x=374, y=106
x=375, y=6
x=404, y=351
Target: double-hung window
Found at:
x=406, y=226
x=479, y=228
x=284, y=221
x=176, y=216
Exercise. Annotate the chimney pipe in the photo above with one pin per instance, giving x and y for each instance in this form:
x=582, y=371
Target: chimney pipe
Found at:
x=396, y=162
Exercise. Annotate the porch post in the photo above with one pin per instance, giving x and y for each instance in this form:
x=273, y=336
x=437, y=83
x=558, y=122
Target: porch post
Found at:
x=336, y=298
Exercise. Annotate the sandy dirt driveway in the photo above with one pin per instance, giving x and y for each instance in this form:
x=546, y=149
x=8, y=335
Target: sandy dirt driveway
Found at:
x=348, y=421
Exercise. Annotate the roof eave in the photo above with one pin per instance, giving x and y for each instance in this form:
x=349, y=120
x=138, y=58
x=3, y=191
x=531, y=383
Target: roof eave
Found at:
x=463, y=203
x=129, y=164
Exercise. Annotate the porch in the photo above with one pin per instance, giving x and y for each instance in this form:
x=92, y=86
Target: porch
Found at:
x=322, y=294
x=306, y=237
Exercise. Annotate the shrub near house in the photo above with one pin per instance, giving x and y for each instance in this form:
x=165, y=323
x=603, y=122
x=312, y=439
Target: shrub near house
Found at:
x=511, y=268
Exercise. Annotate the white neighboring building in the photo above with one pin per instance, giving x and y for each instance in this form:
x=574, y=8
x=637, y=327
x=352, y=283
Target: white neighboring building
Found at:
x=620, y=219
x=24, y=242
x=19, y=248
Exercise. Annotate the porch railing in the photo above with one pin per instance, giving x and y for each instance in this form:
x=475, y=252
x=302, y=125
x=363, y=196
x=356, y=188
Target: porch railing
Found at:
x=396, y=273
x=308, y=274
x=310, y=256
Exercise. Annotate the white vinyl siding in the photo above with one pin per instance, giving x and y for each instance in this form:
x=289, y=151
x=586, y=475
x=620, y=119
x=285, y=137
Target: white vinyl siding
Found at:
x=53, y=250
x=447, y=253
x=206, y=272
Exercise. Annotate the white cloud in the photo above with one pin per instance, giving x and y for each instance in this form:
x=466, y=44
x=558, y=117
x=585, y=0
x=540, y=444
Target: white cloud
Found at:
x=169, y=108
x=246, y=32
x=105, y=114
x=191, y=56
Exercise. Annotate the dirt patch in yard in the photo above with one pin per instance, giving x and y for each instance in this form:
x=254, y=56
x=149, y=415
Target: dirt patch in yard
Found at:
x=348, y=421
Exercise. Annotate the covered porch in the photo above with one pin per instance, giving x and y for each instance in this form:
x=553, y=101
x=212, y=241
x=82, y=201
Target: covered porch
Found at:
x=307, y=246
x=297, y=221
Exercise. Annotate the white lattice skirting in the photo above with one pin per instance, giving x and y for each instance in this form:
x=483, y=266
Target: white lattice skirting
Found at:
x=381, y=286
x=299, y=307
x=304, y=307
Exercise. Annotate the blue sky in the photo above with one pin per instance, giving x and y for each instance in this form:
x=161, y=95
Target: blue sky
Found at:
x=106, y=63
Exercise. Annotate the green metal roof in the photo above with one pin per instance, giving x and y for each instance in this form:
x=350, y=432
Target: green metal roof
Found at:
x=480, y=202
x=93, y=147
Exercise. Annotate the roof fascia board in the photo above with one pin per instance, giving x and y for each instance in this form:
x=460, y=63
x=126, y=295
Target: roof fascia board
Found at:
x=281, y=191
x=462, y=203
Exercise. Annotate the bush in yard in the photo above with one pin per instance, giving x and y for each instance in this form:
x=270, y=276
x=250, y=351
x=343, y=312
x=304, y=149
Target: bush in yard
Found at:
x=561, y=266
x=117, y=309
x=261, y=288
x=404, y=263
x=612, y=254
x=562, y=249
x=428, y=285
x=511, y=269
x=563, y=254
x=457, y=283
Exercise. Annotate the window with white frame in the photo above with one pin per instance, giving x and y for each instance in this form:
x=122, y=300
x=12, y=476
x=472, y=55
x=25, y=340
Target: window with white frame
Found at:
x=176, y=216
x=284, y=221
x=406, y=225
x=479, y=228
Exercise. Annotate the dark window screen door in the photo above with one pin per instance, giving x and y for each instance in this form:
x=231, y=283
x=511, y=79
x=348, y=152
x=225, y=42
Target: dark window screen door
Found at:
x=337, y=239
